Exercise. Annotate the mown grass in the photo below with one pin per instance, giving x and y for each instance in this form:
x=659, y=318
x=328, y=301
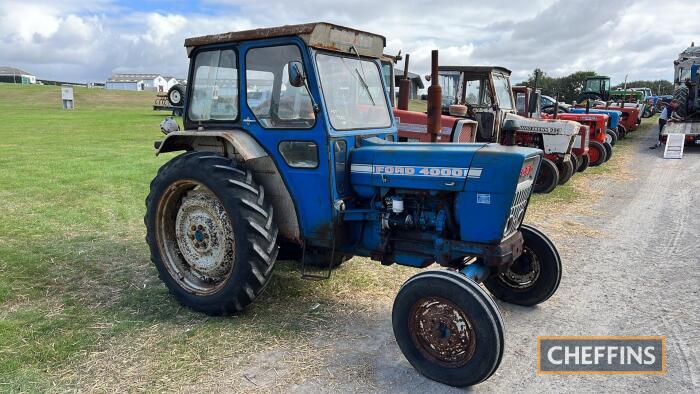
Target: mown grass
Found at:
x=81, y=306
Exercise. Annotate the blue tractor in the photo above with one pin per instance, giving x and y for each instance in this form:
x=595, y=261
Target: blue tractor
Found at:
x=316, y=168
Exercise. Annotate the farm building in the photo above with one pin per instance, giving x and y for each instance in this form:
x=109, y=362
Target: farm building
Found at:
x=15, y=75
x=416, y=82
x=154, y=82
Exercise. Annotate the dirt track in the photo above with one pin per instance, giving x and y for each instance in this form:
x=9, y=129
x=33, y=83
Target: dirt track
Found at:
x=631, y=268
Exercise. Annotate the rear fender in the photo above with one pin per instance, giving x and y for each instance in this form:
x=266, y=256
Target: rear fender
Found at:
x=244, y=150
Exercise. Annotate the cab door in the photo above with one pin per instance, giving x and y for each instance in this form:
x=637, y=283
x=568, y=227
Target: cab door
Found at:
x=284, y=120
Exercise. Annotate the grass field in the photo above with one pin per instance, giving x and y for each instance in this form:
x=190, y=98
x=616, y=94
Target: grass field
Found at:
x=82, y=307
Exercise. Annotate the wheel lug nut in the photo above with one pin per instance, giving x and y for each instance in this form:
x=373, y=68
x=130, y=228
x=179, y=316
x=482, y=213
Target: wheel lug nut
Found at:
x=193, y=228
x=196, y=244
x=200, y=227
x=191, y=236
x=204, y=244
x=206, y=235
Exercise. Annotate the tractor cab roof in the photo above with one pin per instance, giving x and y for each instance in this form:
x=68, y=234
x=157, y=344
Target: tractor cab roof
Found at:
x=480, y=70
x=320, y=35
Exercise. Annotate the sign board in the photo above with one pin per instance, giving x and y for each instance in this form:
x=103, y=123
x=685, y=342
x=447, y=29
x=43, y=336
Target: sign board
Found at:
x=67, y=97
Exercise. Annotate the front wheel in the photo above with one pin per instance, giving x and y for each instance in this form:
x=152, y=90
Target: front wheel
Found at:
x=584, y=161
x=534, y=276
x=566, y=171
x=621, y=131
x=608, y=150
x=548, y=177
x=597, y=153
x=611, y=136
x=211, y=233
x=448, y=328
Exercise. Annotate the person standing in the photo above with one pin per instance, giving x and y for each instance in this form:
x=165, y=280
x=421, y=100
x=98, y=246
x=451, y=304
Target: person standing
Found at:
x=663, y=119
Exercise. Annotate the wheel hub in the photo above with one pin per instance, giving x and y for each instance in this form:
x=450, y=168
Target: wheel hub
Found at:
x=523, y=272
x=442, y=332
x=200, y=232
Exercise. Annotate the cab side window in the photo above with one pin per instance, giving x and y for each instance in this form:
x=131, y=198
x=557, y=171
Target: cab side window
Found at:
x=273, y=100
x=215, y=86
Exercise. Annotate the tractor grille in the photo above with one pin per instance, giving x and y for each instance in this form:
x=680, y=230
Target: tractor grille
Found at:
x=517, y=210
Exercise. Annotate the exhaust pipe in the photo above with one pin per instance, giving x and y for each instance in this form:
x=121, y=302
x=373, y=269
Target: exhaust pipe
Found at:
x=404, y=87
x=434, y=100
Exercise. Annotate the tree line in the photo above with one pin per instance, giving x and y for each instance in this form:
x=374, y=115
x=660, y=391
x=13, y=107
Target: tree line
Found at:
x=567, y=88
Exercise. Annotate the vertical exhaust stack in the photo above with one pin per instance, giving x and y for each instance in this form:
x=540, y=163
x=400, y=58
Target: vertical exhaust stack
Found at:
x=434, y=100
x=556, y=107
x=404, y=87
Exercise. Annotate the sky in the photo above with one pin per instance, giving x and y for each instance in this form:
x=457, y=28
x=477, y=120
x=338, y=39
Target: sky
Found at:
x=83, y=41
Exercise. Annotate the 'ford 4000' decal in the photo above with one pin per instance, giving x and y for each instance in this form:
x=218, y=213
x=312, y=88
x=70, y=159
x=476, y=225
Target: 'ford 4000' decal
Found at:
x=442, y=172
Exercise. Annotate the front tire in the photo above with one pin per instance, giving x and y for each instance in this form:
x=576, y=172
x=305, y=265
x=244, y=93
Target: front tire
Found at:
x=621, y=131
x=448, y=328
x=612, y=136
x=548, y=177
x=176, y=95
x=608, y=150
x=584, y=161
x=211, y=233
x=534, y=276
x=566, y=171
x=597, y=153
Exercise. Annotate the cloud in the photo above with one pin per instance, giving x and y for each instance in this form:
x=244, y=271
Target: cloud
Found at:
x=87, y=41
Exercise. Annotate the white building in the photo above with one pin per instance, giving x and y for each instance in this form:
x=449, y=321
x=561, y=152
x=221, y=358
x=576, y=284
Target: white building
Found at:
x=15, y=75
x=153, y=82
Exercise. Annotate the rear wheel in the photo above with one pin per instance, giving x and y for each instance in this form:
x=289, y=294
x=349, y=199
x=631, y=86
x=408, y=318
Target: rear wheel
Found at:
x=534, y=276
x=211, y=233
x=566, y=171
x=648, y=112
x=608, y=150
x=176, y=95
x=448, y=328
x=681, y=94
x=583, y=163
x=611, y=136
x=548, y=177
x=597, y=153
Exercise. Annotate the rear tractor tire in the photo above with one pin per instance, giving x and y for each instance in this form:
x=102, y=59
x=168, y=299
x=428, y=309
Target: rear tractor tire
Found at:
x=597, y=153
x=448, y=328
x=548, y=177
x=533, y=277
x=566, y=171
x=211, y=233
x=621, y=131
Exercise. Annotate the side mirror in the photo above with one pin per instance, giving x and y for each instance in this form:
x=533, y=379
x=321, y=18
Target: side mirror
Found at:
x=296, y=73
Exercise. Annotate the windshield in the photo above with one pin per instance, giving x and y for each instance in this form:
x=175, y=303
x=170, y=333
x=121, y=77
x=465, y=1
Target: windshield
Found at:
x=353, y=91
x=503, y=92
x=449, y=83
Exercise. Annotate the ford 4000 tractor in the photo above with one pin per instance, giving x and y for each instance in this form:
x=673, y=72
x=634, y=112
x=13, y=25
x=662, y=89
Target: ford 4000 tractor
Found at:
x=317, y=165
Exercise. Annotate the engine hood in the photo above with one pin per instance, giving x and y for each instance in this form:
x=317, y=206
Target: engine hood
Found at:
x=431, y=166
x=545, y=126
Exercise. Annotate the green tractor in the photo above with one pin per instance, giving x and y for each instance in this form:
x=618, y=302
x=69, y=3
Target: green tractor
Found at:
x=598, y=88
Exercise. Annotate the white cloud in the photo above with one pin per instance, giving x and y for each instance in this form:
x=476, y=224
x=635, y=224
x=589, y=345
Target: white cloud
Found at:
x=72, y=40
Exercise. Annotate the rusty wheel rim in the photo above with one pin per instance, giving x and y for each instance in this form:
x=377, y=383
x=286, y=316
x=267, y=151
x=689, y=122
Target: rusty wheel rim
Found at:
x=524, y=272
x=442, y=332
x=195, y=237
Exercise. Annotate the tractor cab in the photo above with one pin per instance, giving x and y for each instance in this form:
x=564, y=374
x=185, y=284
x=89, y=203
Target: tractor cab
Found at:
x=484, y=90
x=595, y=88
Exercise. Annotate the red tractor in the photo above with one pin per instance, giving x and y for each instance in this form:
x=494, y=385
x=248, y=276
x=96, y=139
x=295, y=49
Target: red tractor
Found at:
x=631, y=116
x=599, y=149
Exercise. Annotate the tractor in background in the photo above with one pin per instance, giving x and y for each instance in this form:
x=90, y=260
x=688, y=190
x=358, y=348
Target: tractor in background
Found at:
x=528, y=103
x=318, y=167
x=685, y=119
x=412, y=126
x=484, y=93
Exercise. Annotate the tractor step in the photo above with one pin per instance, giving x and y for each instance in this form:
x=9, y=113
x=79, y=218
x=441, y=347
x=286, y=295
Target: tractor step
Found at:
x=674, y=146
x=326, y=274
